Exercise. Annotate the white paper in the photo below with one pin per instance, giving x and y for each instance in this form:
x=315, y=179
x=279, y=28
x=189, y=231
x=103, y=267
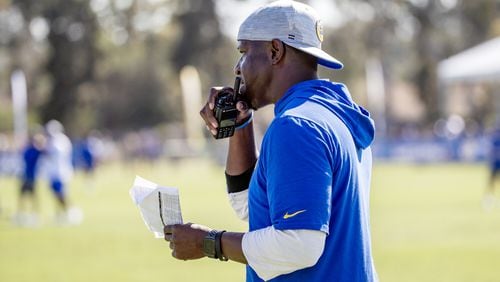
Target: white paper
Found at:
x=158, y=205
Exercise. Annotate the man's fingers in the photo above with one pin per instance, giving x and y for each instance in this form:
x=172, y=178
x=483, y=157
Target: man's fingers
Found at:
x=168, y=230
x=242, y=106
x=214, y=91
x=209, y=118
x=213, y=131
x=211, y=98
x=183, y=240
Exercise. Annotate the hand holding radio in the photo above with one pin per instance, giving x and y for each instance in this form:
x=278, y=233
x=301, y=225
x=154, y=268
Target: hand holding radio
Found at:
x=225, y=111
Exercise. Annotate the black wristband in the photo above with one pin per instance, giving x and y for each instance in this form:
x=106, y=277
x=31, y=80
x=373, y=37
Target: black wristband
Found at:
x=218, y=246
x=238, y=183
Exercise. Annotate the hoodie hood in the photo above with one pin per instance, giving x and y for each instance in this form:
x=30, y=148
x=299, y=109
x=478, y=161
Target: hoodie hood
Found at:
x=337, y=99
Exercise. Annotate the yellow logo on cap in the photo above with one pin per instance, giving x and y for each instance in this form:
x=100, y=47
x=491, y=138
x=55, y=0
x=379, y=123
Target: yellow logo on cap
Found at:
x=319, y=31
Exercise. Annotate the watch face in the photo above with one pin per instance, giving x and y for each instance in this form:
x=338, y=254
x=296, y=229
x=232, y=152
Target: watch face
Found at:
x=209, y=244
x=209, y=247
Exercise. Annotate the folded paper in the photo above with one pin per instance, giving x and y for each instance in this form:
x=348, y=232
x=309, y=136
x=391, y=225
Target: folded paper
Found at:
x=159, y=206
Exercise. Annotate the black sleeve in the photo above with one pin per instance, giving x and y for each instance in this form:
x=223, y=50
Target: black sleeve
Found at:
x=238, y=183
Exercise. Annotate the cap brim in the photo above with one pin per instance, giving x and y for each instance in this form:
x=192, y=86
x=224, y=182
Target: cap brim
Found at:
x=324, y=58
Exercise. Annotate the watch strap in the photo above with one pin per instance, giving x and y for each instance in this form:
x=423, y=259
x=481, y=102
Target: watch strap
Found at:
x=218, y=246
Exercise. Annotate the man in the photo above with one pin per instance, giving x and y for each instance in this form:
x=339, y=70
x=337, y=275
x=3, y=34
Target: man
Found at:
x=59, y=170
x=307, y=195
x=30, y=155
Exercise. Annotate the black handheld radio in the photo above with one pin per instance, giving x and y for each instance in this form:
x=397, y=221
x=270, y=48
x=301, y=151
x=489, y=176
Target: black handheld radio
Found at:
x=225, y=111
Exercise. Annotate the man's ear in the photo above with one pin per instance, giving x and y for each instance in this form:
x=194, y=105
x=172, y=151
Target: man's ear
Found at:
x=277, y=51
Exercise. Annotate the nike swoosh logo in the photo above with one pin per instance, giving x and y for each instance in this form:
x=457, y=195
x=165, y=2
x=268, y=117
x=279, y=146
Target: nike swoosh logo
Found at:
x=287, y=216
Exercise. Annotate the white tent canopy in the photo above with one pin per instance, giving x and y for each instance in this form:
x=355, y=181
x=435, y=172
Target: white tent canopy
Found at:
x=479, y=63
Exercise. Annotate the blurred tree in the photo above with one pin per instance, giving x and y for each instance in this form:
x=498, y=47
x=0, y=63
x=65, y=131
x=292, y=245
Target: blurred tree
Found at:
x=201, y=42
x=19, y=50
x=411, y=37
x=130, y=100
x=72, y=38
x=72, y=60
x=115, y=63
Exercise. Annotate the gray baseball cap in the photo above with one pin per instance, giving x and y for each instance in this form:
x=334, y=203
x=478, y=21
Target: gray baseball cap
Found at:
x=296, y=24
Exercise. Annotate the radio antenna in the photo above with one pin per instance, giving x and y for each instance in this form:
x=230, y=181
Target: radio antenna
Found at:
x=236, y=88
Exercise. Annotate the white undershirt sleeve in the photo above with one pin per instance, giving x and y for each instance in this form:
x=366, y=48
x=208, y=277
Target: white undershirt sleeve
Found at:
x=271, y=252
x=239, y=202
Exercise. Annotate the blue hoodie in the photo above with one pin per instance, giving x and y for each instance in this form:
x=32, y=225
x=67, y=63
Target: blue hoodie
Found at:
x=315, y=164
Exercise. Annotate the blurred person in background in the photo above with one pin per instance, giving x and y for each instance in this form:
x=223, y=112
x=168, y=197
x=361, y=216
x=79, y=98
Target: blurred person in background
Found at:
x=3, y=150
x=85, y=157
x=59, y=171
x=494, y=166
x=27, y=212
x=306, y=196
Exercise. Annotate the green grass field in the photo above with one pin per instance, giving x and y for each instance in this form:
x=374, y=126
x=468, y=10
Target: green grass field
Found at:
x=427, y=225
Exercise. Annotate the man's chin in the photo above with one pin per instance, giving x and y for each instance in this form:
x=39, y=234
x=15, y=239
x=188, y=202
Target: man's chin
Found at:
x=245, y=97
x=251, y=104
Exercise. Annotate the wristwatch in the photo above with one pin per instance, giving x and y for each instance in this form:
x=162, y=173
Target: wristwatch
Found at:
x=209, y=249
x=212, y=245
